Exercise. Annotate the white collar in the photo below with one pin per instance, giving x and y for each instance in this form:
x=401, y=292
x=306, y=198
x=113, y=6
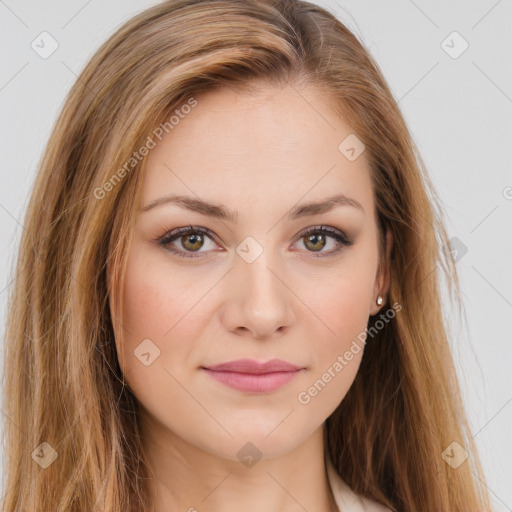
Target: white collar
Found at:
x=346, y=499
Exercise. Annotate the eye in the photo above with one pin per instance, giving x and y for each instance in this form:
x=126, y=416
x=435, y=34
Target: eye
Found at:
x=191, y=239
x=186, y=242
x=315, y=239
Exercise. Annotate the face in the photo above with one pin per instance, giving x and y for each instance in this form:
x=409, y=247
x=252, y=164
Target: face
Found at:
x=245, y=266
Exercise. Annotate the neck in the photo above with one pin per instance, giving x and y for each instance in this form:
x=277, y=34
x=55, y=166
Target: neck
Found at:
x=184, y=477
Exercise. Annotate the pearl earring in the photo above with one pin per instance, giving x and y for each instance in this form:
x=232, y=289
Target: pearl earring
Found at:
x=380, y=300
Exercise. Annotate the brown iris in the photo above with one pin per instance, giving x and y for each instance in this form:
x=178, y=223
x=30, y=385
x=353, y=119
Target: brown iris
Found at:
x=192, y=242
x=314, y=240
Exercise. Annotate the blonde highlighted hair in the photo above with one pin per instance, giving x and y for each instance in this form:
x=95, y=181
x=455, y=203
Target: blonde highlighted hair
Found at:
x=62, y=381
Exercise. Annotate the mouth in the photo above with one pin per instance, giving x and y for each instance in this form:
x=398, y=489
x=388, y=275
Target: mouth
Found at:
x=252, y=376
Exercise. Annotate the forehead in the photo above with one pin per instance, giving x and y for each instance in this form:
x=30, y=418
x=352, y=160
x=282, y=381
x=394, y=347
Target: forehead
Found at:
x=269, y=146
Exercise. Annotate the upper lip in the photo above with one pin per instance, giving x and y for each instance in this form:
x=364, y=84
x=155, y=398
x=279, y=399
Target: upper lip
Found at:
x=255, y=367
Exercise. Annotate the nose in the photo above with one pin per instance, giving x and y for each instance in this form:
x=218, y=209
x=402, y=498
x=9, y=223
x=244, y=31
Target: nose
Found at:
x=259, y=303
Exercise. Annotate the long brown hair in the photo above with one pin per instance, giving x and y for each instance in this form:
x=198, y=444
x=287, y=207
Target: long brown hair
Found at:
x=62, y=381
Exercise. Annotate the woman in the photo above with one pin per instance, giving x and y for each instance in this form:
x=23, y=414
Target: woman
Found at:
x=227, y=291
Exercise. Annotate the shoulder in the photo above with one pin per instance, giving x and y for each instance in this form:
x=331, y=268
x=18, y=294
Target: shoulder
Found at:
x=346, y=499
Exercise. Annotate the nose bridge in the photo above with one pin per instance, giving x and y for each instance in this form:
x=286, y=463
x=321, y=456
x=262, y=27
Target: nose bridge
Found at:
x=260, y=277
x=261, y=301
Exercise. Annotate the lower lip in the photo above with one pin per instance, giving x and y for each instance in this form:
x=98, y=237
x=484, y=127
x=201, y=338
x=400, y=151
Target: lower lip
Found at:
x=251, y=383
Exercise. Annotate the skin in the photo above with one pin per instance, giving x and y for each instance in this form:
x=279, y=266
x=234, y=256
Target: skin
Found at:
x=260, y=154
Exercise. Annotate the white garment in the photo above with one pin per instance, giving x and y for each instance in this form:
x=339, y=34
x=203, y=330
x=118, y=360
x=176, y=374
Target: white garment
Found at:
x=346, y=499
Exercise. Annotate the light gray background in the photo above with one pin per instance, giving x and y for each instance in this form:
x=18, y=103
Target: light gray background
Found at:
x=458, y=110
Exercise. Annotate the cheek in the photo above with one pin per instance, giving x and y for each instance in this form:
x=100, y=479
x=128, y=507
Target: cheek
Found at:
x=337, y=354
x=157, y=306
x=161, y=316
x=341, y=302
x=160, y=298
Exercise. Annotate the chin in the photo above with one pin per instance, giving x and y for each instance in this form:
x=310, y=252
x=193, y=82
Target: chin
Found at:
x=254, y=439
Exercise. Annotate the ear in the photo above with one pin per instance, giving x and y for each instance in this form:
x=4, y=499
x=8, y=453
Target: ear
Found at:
x=382, y=280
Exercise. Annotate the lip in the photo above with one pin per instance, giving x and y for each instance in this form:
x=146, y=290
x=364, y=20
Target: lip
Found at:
x=253, y=376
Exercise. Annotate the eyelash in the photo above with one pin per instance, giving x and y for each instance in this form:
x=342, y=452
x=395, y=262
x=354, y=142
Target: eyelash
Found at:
x=169, y=237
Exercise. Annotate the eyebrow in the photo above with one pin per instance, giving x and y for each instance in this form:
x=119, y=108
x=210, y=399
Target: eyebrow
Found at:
x=219, y=211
